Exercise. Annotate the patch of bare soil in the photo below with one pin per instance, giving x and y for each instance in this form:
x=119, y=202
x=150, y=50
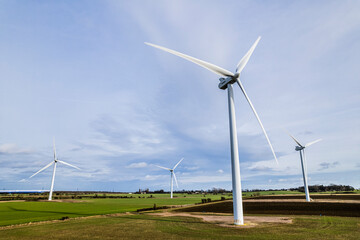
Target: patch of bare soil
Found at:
x=228, y=220
x=12, y=201
x=64, y=200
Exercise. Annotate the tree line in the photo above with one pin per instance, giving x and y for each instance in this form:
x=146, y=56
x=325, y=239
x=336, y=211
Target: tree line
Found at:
x=329, y=188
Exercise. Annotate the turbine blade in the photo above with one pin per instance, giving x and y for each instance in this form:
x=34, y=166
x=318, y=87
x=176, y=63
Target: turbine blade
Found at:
x=42, y=169
x=162, y=167
x=311, y=143
x=178, y=163
x=242, y=63
x=216, y=69
x=68, y=164
x=177, y=185
x=54, y=150
x=297, y=142
x=257, y=117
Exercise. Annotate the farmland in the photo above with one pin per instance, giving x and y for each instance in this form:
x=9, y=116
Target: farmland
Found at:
x=109, y=218
x=15, y=212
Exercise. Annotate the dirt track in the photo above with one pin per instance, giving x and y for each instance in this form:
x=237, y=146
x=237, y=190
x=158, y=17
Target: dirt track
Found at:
x=228, y=221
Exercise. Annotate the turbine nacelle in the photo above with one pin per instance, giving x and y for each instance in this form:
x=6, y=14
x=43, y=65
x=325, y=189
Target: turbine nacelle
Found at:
x=298, y=148
x=225, y=81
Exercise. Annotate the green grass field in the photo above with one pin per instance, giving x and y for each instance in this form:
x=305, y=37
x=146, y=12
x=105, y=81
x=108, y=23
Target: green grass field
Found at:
x=144, y=226
x=23, y=212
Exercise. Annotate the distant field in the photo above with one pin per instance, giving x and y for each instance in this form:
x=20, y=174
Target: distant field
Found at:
x=260, y=193
x=23, y=212
x=153, y=227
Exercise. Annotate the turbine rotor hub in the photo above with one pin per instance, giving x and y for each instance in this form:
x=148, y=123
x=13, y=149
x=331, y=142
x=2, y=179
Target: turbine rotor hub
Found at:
x=225, y=81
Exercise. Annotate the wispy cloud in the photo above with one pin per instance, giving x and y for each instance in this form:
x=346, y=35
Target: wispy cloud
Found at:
x=10, y=148
x=138, y=165
x=327, y=165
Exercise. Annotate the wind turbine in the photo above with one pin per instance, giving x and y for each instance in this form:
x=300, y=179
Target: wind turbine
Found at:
x=173, y=176
x=226, y=83
x=53, y=176
x=301, y=149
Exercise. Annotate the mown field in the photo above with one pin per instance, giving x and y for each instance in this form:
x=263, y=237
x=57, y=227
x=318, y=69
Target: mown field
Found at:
x=26, y=211
x=144, y=226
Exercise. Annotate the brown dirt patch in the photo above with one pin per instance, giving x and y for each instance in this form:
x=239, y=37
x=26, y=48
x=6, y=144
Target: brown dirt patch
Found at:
x=64, y=200
x=12, y=201
x=228, y=220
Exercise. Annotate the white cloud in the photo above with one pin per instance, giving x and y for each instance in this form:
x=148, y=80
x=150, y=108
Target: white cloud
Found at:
x=154, y=177
x=191, y=168
x=10, y=148
x=138, y=165
x=206, y=179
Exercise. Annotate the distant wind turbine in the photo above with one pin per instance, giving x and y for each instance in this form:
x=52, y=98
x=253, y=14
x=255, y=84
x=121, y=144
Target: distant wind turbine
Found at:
x=173, y=176
x=301, y=149
x=226, y=83
x=53, y=176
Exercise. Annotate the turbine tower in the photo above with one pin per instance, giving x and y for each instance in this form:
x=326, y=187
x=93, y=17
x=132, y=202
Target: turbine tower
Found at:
x=173, y=176
x=226, y=83
x=301, y=149
x=54, y=170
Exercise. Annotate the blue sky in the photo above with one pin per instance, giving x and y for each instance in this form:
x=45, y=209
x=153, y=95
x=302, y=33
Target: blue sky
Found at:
x=79, y=71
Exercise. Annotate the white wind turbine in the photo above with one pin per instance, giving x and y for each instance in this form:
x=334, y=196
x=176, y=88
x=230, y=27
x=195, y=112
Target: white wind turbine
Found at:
x=173, y=176
x=53, y=176
x=226, y=83
x=301, y=149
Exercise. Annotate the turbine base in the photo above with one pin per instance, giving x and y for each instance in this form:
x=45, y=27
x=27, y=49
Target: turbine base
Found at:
x=238, y=222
